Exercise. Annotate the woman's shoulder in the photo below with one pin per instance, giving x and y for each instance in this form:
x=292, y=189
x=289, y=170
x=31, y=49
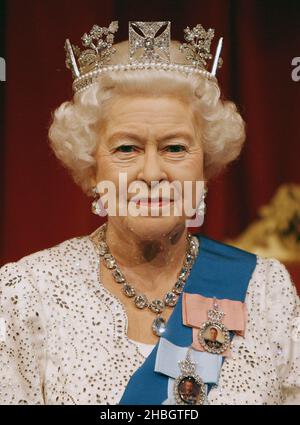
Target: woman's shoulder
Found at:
x=71, y=252
x=272, y=283
x=272, y=279
x=269, y=276
x=269, y=267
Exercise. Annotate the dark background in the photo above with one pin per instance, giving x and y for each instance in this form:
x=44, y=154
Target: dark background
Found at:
x=40, y=205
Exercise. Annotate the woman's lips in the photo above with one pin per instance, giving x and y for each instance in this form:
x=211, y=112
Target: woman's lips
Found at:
x=155, y=202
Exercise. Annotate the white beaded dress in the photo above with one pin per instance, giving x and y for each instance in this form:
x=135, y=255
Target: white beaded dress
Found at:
x=64, y=339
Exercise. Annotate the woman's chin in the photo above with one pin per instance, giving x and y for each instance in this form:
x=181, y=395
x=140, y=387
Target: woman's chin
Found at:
x=153, y=227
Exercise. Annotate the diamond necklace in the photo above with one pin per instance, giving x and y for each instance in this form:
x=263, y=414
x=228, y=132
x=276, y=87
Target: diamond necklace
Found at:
x=140, y=300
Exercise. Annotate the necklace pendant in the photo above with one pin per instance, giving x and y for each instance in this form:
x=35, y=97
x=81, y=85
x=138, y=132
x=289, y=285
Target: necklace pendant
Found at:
x=159, y=326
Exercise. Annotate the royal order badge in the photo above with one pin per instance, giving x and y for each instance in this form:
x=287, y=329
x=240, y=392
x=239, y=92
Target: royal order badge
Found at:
x=213, y=335
x=188, y=386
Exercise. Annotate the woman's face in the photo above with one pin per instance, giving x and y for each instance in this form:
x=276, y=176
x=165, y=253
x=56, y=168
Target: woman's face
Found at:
x=151, y=141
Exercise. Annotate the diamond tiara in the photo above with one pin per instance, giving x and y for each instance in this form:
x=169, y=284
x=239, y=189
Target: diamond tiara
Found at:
x=149, y=48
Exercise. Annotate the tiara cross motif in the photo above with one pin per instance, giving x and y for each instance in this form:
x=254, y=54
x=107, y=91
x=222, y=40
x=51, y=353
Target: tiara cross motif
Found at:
x=152, y=39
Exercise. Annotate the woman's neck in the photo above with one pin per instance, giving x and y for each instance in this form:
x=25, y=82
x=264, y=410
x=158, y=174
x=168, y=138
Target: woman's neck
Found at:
x=148, y=264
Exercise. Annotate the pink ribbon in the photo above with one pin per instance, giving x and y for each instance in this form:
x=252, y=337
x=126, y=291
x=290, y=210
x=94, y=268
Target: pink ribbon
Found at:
x=194, y=313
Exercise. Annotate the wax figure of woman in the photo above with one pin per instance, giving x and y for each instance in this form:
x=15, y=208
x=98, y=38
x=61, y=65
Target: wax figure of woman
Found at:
x=104, y=318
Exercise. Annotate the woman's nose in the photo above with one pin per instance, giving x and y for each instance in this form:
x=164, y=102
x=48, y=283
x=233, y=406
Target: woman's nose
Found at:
x=152, y=168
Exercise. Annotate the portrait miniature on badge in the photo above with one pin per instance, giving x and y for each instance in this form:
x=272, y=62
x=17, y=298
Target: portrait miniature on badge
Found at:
x=189, y=387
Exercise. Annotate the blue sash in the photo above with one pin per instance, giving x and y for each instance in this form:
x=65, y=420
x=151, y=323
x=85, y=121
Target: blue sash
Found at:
x=220, y=271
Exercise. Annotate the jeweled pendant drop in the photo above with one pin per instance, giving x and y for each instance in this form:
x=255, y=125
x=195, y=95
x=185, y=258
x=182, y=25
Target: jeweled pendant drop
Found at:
x=159, y=326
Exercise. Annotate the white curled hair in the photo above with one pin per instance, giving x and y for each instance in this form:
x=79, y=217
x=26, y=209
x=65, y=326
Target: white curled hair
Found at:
x=75, y=131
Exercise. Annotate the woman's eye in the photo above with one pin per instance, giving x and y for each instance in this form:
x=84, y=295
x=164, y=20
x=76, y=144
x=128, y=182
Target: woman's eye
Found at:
x=176, y=148
x=126, y=148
